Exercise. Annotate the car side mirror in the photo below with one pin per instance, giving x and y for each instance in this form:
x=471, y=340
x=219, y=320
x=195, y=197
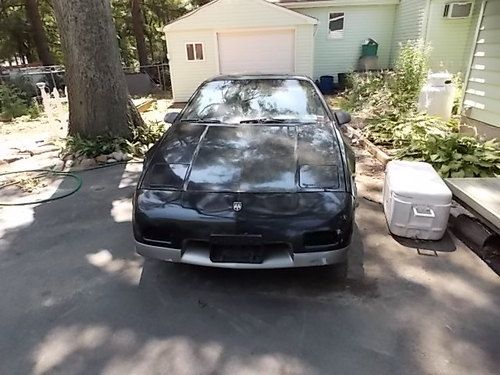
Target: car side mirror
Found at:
x=342, y=117
x=170, y=117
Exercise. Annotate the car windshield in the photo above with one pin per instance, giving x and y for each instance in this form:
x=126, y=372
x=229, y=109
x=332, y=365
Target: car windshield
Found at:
x=256, y=101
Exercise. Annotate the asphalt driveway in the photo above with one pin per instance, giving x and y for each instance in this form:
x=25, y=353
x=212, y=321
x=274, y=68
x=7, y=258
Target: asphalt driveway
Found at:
x=75, y=299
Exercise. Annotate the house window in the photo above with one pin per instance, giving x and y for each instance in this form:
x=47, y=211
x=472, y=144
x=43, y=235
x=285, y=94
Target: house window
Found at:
x=194, y=51
x=336, y=25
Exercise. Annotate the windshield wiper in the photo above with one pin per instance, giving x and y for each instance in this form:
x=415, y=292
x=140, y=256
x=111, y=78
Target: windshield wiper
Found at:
x=201, y=121
x=267, y=120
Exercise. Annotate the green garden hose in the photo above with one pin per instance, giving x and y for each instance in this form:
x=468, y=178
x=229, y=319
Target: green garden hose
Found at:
x=77, y=178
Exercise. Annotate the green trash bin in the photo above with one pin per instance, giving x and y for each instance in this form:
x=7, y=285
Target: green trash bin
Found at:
x=369, y=48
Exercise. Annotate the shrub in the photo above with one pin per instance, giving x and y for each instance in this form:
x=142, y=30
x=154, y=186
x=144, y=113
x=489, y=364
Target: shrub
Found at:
x=25, y=89
x=101, y=145
x=459, y=90
x=389, y=102
x=391, y=93
x=438, y=142
x=11, y=104
x=363, y=85
x=362, y=88
x=454, y=154
x=34, y=111
x=140, y=141
x=396, y=131
x=144, y=136
x=411, y=68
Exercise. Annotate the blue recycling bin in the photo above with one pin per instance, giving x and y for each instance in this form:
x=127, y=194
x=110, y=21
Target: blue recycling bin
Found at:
x=326, y=84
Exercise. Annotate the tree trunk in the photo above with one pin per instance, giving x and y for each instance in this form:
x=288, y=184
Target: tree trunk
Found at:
x=149, y=36
x=38, y=32
x=133, y=115
x=97, y=90
x=138, y=27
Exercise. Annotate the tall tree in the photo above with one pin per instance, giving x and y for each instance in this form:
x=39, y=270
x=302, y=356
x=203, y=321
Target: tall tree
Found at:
x=38, y=32
x=98, y=95
x=138, y=28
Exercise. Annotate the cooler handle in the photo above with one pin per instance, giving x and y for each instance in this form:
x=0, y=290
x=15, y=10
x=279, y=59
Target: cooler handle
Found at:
x=429, y=212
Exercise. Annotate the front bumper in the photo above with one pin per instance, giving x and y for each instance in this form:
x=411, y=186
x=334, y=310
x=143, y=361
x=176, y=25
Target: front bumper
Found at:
x=284, y=259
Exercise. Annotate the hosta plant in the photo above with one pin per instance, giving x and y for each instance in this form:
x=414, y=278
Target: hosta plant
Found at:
x=140, y=141
x=456, y=155
x=438, y=142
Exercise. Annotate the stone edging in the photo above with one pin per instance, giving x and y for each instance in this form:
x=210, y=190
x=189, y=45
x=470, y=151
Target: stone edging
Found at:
x=376, y=151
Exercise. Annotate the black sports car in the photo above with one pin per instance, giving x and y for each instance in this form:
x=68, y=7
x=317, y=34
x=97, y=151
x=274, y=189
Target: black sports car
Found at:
x=253, y=173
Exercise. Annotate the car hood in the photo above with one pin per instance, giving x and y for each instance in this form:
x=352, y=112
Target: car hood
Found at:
x=247, y=158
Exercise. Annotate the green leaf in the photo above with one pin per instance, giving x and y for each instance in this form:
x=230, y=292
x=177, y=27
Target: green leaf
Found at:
x=469, y=172
x=444, y=168
x=471, y=158
x=484, y=164
x=459, y=174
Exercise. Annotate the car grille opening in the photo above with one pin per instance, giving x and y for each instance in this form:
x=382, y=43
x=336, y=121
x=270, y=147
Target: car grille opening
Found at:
x=237, y=253
x=320, y=238
x=158, y=236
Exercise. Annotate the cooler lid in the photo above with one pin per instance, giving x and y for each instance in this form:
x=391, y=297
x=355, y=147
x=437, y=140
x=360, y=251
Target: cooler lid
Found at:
x=418, y=181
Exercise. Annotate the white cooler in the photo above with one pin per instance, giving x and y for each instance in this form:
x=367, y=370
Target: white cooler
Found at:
x=416, y=200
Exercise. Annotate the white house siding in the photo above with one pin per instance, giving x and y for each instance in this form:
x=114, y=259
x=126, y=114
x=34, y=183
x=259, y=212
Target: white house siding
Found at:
x=243, y=51
x=448, y=38
x=223, y=16
x=410, y=23
x=333, y=56
x=185, y=75
x=304, y=50
x=482, y=97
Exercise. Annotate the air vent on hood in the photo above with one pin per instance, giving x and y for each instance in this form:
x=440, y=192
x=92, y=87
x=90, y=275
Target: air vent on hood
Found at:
x=319, y=176
x=163, y=175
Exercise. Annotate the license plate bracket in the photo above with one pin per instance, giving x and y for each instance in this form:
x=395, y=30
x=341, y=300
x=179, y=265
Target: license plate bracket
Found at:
x=236, y=249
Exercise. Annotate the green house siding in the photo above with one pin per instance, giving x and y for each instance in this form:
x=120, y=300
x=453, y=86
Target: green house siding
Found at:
x=410, y=23
x=482, y=97
x=333, y=56
x=449, y=38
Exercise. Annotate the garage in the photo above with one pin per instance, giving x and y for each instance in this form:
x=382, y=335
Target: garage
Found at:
x=257, y=51
x=237, y=37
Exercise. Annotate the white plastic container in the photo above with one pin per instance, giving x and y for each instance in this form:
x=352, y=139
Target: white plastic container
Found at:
x=437, y=96
x=416, y=200
x=439, y=79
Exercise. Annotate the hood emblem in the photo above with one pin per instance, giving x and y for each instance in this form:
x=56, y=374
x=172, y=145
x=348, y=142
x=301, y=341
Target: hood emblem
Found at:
x=237, y=206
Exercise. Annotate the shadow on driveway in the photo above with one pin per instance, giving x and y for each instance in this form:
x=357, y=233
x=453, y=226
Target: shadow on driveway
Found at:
x=76, y=299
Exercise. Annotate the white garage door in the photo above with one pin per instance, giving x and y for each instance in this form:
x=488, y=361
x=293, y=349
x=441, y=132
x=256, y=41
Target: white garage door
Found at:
x=263, y=51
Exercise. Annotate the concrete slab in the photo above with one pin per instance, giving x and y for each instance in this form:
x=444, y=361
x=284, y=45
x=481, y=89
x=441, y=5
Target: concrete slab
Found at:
x=75, y=299
x=482, y=195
